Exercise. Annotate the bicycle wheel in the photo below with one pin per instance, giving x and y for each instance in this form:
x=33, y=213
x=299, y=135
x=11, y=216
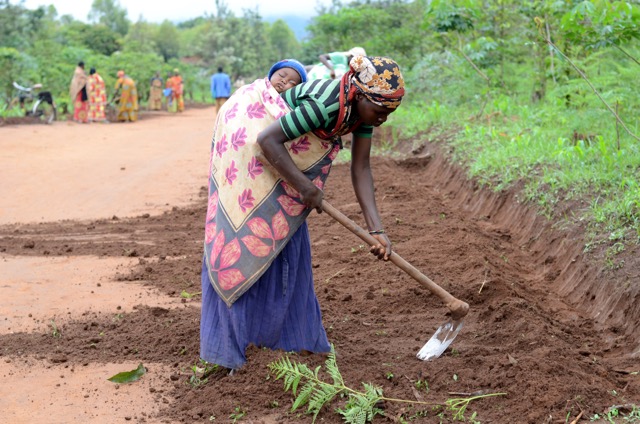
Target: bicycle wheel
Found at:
x=45, y=111
x=14, y=107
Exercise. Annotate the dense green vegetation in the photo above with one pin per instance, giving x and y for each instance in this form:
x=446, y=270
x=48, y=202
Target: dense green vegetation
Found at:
x=542, y=93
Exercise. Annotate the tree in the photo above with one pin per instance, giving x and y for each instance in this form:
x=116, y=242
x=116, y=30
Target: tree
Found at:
x=111, y=14
x=167, y=40
x=283, y=39
x=141, y=38
x=598, y=23
x=100, y=39
x=360, y=24
x=20, y=26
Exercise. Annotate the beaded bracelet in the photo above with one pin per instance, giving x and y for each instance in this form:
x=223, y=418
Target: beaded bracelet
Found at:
x=376, y=232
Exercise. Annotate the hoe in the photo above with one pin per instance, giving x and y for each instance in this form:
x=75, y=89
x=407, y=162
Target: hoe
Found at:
x=448, y=331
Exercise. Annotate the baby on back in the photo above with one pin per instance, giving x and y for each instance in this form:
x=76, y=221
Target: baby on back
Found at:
x=286, y=74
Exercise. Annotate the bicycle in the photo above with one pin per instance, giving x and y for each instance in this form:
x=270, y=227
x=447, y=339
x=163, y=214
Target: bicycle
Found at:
x=43, y=107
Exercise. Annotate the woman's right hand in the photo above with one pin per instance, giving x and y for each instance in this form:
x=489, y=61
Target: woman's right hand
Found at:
x=383, y=249
x=311, y=197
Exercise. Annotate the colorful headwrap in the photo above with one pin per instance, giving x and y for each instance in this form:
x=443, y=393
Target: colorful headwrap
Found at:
x=290, y=63
x=379, y=79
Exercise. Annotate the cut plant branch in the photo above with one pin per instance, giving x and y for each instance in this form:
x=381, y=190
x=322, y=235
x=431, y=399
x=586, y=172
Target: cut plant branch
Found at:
x=626, y=53
x=360, y=406
x=479, y=71
x=547, y=39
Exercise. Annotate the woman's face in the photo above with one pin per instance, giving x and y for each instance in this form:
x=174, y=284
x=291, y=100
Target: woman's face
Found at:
x=371, y=113
x=284, y=79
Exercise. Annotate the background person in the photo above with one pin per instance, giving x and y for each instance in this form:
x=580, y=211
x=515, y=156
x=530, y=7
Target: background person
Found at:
x=78, y=94
x=155, y=92
x=257, y=279
x=177, y=89
x=168, y=93
x=97, y=93
x=127, y=96
x=334, y=65
x=220, y=88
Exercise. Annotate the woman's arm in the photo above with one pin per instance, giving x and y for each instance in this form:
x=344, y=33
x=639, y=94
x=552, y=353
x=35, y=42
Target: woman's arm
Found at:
x=362, y=180
x=271, y=140
x=325, y=59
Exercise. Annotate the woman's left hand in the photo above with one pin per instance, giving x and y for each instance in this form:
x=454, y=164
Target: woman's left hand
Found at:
x=383, y=249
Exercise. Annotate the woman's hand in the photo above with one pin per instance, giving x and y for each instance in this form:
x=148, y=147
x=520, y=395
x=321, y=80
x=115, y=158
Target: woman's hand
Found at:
x=312, y=197
x=383, y=249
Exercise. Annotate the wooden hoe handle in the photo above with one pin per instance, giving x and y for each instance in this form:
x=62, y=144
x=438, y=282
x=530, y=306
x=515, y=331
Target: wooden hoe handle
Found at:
x=457, y=307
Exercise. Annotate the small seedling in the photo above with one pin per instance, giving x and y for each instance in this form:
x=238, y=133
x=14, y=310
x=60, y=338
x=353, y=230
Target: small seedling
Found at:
x=201, y=371
x=389, y=376
x=455, y=377
x=455, y=352
x=237, y=414
x=422, y=385
x=357, y=249
x=55, y=333
x=186, y=295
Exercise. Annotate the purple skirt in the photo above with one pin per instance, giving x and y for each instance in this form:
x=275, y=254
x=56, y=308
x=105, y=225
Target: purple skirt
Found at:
x=280, y=311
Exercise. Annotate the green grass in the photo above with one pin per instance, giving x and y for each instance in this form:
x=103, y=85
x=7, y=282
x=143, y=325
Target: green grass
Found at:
x=533, y=145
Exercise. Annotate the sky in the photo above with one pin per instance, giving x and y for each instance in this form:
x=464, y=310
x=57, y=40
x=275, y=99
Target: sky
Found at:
x=181, y=10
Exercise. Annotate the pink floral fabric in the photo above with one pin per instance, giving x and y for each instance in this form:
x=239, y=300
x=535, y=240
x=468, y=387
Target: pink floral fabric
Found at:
x=252, y=212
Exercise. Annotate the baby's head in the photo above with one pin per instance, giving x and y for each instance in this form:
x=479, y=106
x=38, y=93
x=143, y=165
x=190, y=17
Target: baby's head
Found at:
x=286, y=74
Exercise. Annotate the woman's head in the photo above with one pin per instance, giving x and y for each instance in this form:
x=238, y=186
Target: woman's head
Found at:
x=379, y=87
x=120, y=74
x=286, y=74
x=92, y=71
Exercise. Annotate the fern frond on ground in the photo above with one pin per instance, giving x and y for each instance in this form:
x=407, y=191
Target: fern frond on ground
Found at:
x=360, y=407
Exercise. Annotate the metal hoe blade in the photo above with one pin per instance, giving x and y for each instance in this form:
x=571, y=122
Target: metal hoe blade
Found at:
x=439, y=342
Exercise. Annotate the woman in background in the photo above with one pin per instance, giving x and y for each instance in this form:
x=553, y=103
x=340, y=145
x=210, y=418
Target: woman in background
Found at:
x=97, y=95
x=333, y=65
x=155, y=93
x=127, y=96
x=78, y=94
x=177, y=87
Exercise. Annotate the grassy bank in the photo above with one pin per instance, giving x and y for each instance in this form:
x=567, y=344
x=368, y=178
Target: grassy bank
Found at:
x=566, y=147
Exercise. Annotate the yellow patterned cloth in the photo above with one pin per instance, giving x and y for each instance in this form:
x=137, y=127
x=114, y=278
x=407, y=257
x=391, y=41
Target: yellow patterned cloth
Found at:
x=97, y=94
x=128, y=102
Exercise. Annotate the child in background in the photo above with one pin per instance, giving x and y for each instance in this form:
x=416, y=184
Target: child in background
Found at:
x=286, y=74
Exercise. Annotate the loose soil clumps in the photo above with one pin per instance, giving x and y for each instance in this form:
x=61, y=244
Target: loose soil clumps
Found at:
x=545, y=326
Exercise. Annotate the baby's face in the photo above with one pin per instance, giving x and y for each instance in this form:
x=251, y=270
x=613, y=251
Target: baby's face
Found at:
x=285, y=78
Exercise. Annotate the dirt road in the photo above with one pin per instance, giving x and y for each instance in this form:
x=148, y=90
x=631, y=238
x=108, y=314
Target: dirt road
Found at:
x=75, y=171
x=533, y=332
